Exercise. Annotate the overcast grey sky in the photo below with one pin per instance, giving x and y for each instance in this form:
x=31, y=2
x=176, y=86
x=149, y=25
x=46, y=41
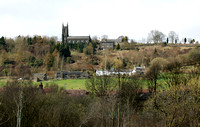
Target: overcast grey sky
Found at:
x=133, y=18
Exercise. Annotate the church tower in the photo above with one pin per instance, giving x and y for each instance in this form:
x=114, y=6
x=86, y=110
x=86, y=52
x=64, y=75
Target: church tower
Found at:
x=67, y=30
x=65, y=33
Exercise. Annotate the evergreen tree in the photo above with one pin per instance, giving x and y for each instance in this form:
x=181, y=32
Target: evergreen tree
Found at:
x=94, y=46
x=176, y=41
x=63, y=50
x=192, y=41
x=118, y=46
x=31, y=60
x=124, y=63
x=67, y=53
x=2, y=43
x=167, y=40
x=34, y=39
x=29, y=41
x=81, y=46
x=78, y=47
x=185, y=40
x=125, y=39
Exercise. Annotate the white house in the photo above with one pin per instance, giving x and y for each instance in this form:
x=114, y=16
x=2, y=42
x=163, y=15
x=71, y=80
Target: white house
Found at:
x=136, y=70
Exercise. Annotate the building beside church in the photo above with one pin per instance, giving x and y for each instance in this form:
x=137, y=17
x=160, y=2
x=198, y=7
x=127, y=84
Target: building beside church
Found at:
x=107, y=45
x=73, y=39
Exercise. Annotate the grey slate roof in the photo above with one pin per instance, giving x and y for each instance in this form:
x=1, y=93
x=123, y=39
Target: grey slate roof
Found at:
x=139, y=68
x=78, y=38
x=72, y=72
x=108, y=42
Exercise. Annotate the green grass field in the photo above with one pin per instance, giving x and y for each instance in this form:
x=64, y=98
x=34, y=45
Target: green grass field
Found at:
x=67, y=84
x=2, y=82
x=78, y=83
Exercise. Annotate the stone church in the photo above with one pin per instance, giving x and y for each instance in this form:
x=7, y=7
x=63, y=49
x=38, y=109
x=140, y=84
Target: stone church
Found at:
x=73, y=39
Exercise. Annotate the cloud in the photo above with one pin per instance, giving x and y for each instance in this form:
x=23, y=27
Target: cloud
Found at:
x=134, y=18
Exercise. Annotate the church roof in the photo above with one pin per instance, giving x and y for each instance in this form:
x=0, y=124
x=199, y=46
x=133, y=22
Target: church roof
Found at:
x=107, y=42
x=78, y=37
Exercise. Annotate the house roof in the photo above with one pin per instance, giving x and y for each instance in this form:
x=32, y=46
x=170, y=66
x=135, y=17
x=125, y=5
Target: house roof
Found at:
x=39, y=74
x=113, y=70
x=72, y=72
x=139, y=68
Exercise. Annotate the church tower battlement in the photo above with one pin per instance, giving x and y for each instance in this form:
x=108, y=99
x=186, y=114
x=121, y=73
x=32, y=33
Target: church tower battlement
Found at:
x=65, y=33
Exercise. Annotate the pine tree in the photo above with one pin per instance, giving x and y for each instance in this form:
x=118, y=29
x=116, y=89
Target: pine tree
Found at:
x=2, y=43
x=68, y=53
x=118, y=46
x=29, y=41
x=167, y=40
x=176, y=41
x=64, y=50
x=185, y=40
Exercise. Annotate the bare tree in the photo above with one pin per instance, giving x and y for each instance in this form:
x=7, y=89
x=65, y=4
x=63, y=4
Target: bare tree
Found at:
x=95, y=39
x=177, y=106
x=104, y=37
x=156, y=66
x=173, y=37
x=119, y=39
x=156, y=36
